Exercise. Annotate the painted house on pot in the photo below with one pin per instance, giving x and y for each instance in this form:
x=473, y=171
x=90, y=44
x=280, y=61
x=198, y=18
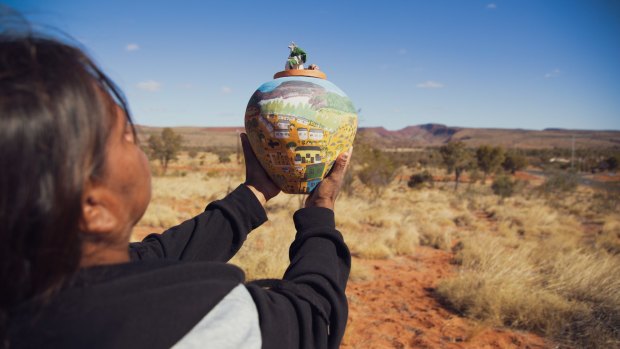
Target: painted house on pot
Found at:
x=307, y=155
x=315, y=134
x=302, y=133
x=283, y=124
x=282, y=133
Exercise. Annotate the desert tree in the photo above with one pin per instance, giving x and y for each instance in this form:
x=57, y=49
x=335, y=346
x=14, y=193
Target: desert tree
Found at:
x=514, y=161
x=375, y=169
x=489, y=159
x=457, y=159
x=165, y=147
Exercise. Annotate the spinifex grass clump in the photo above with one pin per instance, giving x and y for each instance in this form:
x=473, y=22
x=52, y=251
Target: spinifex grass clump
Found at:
x=538, y=276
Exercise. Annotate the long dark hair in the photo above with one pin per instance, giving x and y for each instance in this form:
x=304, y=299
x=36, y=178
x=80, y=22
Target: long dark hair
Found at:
x=55, y=118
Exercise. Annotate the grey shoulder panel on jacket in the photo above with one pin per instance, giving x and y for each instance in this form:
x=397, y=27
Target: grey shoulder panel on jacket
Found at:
x=232, y=323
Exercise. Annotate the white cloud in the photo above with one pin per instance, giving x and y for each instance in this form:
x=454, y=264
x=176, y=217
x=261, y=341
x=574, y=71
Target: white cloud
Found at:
x=132, y=47
x=150, y=85
x=492, y=6
x=226, y=90
x=430, y=84
x=553, y=74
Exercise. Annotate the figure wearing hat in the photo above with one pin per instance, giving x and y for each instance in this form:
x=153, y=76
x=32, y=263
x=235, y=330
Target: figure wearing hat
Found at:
x=296, y=58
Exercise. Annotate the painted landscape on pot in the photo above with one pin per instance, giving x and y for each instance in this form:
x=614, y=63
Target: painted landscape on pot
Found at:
x=297, y=127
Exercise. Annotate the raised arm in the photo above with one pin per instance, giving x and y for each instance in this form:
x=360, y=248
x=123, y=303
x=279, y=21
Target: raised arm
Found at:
x=308, y=308
x=219, y=232
x=214, y=235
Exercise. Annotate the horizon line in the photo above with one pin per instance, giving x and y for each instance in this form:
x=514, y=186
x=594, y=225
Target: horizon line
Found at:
x=418, y=125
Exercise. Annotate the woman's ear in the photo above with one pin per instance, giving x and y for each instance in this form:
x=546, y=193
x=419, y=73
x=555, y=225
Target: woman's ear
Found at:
x=99, y=214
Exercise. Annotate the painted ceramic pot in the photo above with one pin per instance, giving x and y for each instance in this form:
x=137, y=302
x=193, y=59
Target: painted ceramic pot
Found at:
x=297, y=125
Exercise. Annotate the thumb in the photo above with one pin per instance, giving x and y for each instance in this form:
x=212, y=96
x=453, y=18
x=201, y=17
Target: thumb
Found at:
x=248, y=153
x=245, y=143
x=342, y=162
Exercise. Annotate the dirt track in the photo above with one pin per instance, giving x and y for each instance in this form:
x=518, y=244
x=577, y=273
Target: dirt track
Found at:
x=397, y=309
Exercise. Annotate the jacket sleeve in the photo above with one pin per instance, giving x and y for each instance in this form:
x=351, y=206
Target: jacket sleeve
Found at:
x=308, y=307
x=214, y=235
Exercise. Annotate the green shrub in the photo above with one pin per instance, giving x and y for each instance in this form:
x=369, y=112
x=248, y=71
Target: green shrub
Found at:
x=560, y=182
x=503, y=186
x=376, y=170
x=420, y=179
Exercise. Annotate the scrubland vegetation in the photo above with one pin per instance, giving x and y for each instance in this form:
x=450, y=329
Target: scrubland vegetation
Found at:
x=534, y=253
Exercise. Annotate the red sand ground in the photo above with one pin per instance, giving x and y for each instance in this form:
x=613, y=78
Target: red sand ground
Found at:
x=396, y=309
x=522, y=175
x=607, y=177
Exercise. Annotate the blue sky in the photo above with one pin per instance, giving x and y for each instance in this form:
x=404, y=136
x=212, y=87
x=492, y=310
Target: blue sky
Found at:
x=499, y=64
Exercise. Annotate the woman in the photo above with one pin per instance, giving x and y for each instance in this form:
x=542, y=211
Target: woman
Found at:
x=73, y=184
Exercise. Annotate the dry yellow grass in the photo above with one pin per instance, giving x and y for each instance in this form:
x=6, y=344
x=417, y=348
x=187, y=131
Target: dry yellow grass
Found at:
x=534, y=270
x=527, y=262
x=546, y=286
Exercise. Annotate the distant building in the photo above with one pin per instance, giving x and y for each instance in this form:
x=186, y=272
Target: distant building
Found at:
x=560, y=160
x=315, y=134
x=302, y=133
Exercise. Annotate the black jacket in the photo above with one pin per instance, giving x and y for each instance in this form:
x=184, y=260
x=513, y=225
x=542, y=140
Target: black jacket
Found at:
x=178, y=277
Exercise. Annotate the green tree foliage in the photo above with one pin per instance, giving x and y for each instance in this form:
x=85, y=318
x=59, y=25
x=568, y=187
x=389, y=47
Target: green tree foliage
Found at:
x=503, y=186
x=279, y=107
x=514, y=161
x=457, y=159
x=339, y=102
x=165, y=147
x=489, y=159
x=376, y=169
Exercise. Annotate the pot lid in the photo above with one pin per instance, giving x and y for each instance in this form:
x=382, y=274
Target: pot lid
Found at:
x=301, y=72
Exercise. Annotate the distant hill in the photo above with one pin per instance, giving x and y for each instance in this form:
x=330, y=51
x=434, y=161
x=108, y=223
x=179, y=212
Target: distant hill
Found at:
x=421, y=136
x=437, y=135
x=201, y=137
